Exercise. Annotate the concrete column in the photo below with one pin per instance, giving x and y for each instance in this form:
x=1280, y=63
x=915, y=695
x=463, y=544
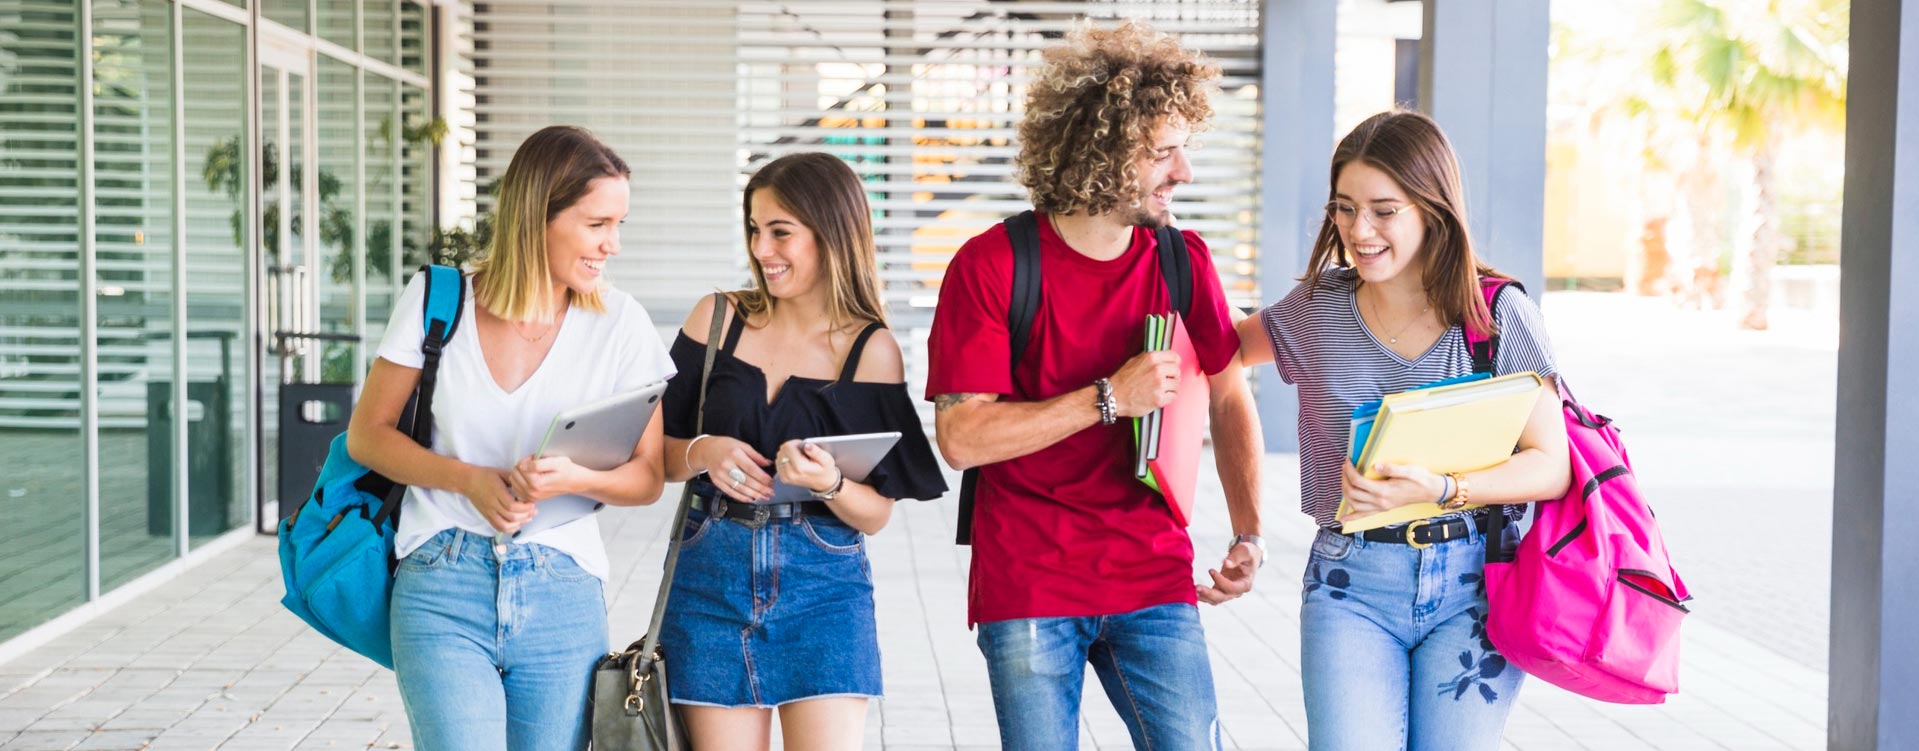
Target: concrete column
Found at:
x=1482, y=75
x=1874, y=673
x=1296, y=146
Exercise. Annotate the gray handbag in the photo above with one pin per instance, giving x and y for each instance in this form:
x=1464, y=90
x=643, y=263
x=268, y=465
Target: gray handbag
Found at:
x=630, y=710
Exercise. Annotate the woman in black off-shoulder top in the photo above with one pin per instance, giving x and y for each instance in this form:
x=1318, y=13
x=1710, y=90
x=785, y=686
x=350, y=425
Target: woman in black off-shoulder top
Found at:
x=772, y=603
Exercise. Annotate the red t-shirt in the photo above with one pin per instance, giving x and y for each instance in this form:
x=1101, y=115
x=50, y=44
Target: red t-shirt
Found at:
x=1067, y=530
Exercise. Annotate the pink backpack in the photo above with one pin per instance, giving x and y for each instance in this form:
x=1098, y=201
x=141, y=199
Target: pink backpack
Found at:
x=1589, y=601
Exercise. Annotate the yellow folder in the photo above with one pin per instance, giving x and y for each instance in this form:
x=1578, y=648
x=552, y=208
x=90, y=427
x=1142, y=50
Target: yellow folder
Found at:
x=1460, y=428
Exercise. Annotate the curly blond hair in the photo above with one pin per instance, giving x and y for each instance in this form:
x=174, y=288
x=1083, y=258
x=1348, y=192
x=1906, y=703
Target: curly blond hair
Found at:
x=1091, y=112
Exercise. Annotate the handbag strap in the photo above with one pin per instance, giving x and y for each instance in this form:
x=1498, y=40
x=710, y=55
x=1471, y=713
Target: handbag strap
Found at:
x=652, y=640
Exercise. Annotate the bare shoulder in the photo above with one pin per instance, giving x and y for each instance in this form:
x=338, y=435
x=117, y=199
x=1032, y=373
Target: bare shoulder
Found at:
x=700, y=320
x=881, y=362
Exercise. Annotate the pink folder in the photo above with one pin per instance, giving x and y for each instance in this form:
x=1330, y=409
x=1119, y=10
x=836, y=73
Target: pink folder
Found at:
x=1182, y=430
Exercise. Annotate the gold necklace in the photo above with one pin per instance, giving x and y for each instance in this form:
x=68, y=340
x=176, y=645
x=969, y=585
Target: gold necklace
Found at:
x=531, y=339
x=1417, y=317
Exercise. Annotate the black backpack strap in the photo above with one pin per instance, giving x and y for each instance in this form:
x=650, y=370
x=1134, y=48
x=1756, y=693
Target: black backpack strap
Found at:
x=440, y=320
x=1177, y=266
x=1022, y=231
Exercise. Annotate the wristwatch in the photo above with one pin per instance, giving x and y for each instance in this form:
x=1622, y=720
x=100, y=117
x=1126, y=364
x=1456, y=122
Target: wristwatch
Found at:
x=1256, y=540
x=832, y=492
x=1462, y=492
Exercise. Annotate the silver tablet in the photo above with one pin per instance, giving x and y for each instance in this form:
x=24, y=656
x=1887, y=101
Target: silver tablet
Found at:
x=856, y=455
x=598, y=435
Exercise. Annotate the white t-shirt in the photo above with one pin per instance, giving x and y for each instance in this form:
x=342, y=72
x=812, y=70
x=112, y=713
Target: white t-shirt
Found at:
x=595, y=355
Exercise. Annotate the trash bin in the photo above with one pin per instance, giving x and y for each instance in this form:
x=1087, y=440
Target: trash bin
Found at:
x=311, y=414
x=209, y=442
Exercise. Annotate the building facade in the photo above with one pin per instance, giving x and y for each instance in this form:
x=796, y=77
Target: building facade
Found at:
x=189, y=191
x=207, y=206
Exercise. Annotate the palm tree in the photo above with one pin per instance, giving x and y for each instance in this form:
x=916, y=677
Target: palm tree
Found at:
x=1758, y=69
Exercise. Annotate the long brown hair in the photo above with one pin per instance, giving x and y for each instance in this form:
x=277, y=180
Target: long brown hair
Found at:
x=550, y=171
x=825, y=195
x=1411, y=149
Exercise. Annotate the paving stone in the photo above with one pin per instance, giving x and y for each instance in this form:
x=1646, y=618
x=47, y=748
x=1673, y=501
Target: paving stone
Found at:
x=214, y=651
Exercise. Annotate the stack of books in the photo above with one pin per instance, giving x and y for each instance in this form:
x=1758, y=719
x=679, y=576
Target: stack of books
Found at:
x=1168, y=440
x=1460, y=424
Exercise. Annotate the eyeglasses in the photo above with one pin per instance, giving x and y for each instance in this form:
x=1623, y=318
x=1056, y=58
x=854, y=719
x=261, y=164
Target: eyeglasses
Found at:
x=1343, y=214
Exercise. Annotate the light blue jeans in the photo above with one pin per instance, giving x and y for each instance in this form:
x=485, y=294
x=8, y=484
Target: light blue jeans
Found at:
x=1393, y=648
x=495, y=652
x=1152, y=662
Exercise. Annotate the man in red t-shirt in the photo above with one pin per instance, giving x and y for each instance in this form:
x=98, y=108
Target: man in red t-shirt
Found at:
x=1075, y=560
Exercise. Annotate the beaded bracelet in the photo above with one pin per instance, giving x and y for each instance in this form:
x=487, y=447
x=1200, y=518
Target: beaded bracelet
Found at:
x=1108, y=411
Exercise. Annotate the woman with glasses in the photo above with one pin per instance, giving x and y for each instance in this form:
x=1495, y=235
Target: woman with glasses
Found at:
x=1393, y=647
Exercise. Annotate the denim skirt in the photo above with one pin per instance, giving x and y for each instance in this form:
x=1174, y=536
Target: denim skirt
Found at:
x=768, y=612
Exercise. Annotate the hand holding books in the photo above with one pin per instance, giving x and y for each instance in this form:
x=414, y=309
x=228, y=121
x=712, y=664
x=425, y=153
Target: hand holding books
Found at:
x=1168, y=438
x=1146, y=382
x=1398, y=485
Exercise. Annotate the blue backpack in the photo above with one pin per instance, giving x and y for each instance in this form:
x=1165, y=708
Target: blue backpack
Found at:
x=336, y=550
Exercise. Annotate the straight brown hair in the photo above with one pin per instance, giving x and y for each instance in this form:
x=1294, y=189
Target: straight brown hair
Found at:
x=550, y=172
x=1409, y=147
x=827, y=197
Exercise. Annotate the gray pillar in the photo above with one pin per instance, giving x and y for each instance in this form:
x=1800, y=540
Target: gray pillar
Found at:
x=1874, y=678
x=1482, y=75
x=1296, y=147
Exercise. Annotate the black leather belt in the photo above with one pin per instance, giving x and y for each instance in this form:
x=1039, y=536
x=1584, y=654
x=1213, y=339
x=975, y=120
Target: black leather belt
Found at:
x=1424, y=532
x=754, y=514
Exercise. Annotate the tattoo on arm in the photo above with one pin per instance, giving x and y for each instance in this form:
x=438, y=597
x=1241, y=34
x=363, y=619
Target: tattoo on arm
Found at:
x=943, y=402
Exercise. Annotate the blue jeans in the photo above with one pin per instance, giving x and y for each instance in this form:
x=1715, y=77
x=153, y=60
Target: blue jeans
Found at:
x=1152, y=662
x=1393, y=648
x=495, y=652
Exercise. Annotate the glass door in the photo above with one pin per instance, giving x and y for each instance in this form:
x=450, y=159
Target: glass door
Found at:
x=288, y=253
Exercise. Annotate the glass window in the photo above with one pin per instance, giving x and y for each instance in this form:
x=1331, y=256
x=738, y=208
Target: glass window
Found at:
x=415, y=44
x=379, y=20
x=133, y=235
x=338, y=23
x=43, y=563
x=292, y=13
x=416, y=178
x=384, y=274
x=216, y=169
x=339, y=218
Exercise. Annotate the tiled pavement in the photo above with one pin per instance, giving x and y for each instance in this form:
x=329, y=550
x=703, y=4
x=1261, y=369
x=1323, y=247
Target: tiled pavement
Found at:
x=210, y=659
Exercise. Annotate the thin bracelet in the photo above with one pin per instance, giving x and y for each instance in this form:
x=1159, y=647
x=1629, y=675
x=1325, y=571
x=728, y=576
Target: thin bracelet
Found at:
x=1445, y=489
x=689, y=453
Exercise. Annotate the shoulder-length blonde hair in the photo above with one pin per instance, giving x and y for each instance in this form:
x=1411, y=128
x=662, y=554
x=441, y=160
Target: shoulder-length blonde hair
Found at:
x=1092, y=109
x=825, y=195
x=1411, y=149
x=549, y=173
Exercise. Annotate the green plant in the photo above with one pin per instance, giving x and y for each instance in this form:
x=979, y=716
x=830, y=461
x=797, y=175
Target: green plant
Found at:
x=222, y=173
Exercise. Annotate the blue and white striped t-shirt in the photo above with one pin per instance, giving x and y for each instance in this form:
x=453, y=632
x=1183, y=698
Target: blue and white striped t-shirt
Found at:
x=1321, y=346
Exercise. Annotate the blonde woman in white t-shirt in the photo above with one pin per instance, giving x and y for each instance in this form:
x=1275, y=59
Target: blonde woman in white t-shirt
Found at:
x=495, y=637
